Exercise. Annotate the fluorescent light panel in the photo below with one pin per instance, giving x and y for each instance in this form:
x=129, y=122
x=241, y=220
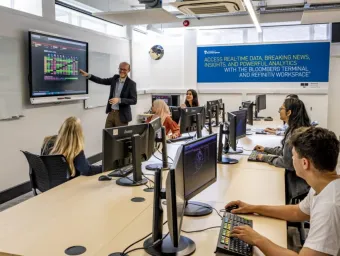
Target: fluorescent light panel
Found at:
x=252, y=14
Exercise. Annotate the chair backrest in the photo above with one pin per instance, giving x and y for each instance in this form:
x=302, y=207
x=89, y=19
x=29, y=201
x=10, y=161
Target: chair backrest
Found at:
x=47, y=171
x=58, y=169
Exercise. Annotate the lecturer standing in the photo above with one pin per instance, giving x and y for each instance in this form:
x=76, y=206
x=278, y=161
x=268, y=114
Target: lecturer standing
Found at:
x=123, y=94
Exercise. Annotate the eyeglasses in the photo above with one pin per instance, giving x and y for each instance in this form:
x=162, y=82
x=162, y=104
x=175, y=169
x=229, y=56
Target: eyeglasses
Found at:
x=281, y=109
x=123, y=69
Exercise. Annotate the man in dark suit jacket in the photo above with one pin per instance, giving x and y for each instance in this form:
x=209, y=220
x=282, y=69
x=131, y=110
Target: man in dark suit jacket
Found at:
x=123, y=94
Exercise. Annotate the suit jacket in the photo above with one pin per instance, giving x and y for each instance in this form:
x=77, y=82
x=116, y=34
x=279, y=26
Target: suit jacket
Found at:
x=128, y=95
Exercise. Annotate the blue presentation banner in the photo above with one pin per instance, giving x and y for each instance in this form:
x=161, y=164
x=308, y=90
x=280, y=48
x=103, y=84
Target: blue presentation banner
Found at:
x=297, y=62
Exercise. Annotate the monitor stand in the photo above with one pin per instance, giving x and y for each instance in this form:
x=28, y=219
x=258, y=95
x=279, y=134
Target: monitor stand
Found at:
x=185, y=247
x=136, y=179
x=222, y=159
x=232, y=152
x=256, y=117
x=197, y=209
x=165, y=166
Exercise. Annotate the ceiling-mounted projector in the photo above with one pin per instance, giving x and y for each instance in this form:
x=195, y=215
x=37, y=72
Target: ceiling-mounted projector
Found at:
x=206, y=7
x=149, y=4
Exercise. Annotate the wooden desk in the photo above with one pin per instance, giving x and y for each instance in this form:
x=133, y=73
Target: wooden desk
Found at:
x=101, y=217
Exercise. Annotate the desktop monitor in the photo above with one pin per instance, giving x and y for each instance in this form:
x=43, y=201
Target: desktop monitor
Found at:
x=124, y=146
x=249, y=106
x=241, y=123
x=229, y=130
x=214, y=107
x=154, y=134
x=157, y=134
x=198, y=167
x=260, y=103
x=232, y=130
x=175, y=113
x=180, y=187
x=166, y=98
x=189, y=120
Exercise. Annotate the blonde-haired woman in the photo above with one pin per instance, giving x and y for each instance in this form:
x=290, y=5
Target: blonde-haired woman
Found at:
x=161, y=109
x=70, y=143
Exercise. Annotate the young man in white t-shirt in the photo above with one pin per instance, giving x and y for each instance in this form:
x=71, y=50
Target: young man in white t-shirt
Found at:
x=315, y=157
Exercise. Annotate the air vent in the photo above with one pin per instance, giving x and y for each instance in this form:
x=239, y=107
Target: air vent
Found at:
x=206, y=7
x=213, y=9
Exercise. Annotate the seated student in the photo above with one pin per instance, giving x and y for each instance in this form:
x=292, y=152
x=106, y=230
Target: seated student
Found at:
x=161, y=109
x=281, y=130
x=294, y=113
x=315, y=156
x=70, y=143
x=191, y=99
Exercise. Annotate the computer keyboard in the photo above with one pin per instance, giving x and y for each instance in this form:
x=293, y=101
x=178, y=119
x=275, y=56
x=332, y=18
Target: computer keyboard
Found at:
x=121, y=172
x=180, y=139
x=253, y=156
x=231, y=245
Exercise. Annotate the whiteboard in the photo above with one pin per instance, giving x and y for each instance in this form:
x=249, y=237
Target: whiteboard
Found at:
x=103, y=65
x=10, y=79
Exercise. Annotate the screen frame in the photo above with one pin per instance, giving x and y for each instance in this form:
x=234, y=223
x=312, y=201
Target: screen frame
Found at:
x=237, y=114
x=31, y=66
x=187, y=197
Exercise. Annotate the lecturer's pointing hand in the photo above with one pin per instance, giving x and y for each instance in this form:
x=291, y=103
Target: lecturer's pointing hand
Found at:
x=83, y=73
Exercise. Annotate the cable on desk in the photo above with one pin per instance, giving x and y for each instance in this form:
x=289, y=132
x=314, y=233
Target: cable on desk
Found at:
x=197, y=231
x=168, y=156
x=161, y=159
x=144, y=248
x=148, y=178
x=209, y=207
x=125, y=250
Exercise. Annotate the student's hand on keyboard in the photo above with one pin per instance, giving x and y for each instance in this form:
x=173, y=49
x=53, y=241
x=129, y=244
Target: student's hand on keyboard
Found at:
x=246, y=234
x=173, y=136
x=243, y=207
x=270, y=130
x=259, y=157
x=259, y=148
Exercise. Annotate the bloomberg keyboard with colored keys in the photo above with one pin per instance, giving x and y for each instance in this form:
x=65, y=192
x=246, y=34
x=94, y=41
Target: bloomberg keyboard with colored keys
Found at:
x=231, y=245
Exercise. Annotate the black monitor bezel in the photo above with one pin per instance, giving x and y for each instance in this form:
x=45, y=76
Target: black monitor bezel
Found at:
x=30, y=82
x=208, y=183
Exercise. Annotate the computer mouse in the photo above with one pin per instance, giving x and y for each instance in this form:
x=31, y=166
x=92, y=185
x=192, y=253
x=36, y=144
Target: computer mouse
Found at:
x=268, y=118
x=230, y=208
x=104, y=177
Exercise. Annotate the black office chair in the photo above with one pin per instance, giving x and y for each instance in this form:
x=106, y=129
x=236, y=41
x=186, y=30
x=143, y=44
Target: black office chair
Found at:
x=296, y=190
x=46, y=172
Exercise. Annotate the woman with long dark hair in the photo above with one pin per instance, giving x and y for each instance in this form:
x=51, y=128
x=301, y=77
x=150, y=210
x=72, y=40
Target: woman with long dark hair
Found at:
x=294, y=113
x=191, y=99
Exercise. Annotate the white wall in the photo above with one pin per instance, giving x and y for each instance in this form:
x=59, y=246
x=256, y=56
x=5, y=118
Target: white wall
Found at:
x=166, y=73
x=334, y=90
x=39, y=121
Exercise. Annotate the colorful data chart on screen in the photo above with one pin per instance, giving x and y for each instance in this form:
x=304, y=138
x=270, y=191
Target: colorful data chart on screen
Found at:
x=60, y=67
